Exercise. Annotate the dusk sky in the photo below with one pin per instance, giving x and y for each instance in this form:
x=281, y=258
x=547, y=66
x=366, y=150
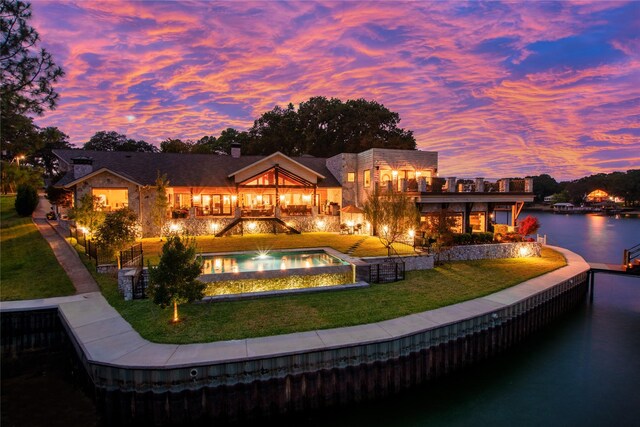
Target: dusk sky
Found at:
x=497, y=89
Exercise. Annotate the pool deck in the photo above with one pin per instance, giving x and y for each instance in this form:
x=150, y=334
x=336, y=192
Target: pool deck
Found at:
x=106, y=338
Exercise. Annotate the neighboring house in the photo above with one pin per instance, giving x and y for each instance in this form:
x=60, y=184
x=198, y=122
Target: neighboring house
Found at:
x=210, y=192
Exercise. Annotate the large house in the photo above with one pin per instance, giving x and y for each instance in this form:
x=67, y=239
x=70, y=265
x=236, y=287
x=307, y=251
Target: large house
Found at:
x=210, y=194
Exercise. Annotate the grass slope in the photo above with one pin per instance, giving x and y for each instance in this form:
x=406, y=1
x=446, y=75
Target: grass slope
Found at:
x=28, y=267
x=421, y=291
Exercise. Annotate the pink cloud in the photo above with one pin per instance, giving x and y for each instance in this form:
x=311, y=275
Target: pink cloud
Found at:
x=463, y=76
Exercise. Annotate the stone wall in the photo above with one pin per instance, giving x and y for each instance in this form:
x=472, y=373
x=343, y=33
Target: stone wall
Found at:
x=467, y=253
x=210, y=226
x=490, y=251
x=411, y=262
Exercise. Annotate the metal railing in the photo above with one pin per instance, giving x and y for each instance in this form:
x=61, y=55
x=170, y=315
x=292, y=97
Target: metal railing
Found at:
x=388, y=271
x=630, y=257
x=91, y=250
x=132, y=257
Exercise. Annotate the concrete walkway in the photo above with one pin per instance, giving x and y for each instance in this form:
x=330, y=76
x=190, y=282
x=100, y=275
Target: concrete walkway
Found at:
x=66, y=255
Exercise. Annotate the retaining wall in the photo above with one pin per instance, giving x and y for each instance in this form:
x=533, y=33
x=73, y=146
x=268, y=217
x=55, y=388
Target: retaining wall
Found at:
x=142, y=383
x=252, y=388
x=490, y=251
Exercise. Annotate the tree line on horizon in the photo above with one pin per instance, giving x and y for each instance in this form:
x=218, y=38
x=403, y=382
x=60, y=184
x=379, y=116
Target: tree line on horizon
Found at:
x=620, y=184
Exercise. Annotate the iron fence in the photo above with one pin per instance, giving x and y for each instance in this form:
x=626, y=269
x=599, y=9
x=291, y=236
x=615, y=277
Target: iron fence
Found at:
x=132, y=257
x=385, y=272
x=91, y=249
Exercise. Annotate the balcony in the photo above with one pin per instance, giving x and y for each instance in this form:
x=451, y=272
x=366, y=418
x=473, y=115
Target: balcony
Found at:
x=455, y=185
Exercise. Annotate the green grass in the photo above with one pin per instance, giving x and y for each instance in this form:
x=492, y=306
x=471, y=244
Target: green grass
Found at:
x=421, y=291
x=28, y=267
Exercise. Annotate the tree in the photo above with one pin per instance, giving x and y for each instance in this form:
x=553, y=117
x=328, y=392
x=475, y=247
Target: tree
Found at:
x=174, y=280
x=170, y=145
x=160, y=203
x=26, y=200
x=544, y=185
x=393, y=214
x=114, y=141
x=231, y=136
x=325, y=127
x=105, y=141
x=59, y=197
x=373, y=209
x=18, y=134
x=87, y=213
x=205, y=145
x=118, y=231
x=14, y=175
x=140, y=146
x=276, y=130
x=51, y=138
x=529, y=225
x=28, y=73
x=439, y=229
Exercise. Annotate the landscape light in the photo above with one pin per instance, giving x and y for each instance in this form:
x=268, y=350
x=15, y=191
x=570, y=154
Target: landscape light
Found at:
x=524, y=251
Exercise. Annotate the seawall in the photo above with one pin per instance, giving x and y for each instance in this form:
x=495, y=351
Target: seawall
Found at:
x=138, y=382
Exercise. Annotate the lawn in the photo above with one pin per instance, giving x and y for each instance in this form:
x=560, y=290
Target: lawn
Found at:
x=421, y=291
x=28, y=268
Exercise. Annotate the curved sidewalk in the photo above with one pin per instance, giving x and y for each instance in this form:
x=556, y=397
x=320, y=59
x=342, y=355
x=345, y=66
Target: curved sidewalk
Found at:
x=65, y=254
x=107, y=339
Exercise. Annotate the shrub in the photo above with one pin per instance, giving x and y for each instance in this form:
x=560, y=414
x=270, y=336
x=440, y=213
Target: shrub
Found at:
x=512, y=237
x=26, y=200
x=481, y=238
x=529, y=225
x=119, y=230
x=462, y=239
x=472, y=238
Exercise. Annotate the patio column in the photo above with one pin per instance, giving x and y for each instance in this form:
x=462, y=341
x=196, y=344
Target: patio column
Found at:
x=275, y=174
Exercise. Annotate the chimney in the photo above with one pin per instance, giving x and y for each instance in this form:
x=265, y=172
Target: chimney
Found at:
x=479, y=185
x=235, y=150
x=82, y=166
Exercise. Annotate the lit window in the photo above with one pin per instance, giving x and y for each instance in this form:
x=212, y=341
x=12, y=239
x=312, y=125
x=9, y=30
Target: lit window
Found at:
x=367, y=178
x=351, y=177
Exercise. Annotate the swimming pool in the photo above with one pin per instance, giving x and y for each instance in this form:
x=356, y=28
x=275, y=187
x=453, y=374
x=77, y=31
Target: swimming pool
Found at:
x=251, y=272
x=268, y=261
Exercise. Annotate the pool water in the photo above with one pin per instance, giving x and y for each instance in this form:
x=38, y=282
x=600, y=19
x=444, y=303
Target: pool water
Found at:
x=285, y=260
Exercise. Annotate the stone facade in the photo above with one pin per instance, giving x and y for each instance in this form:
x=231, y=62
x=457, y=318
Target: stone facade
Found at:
x=491, y=251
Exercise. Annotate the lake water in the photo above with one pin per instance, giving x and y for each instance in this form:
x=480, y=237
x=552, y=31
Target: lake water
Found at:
x=582, y=370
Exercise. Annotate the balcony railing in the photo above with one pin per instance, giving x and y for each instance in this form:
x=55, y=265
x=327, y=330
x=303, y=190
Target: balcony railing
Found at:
x=454, y=185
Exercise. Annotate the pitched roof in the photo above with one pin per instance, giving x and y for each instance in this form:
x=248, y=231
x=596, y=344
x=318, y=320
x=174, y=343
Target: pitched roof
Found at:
x=183, y=170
